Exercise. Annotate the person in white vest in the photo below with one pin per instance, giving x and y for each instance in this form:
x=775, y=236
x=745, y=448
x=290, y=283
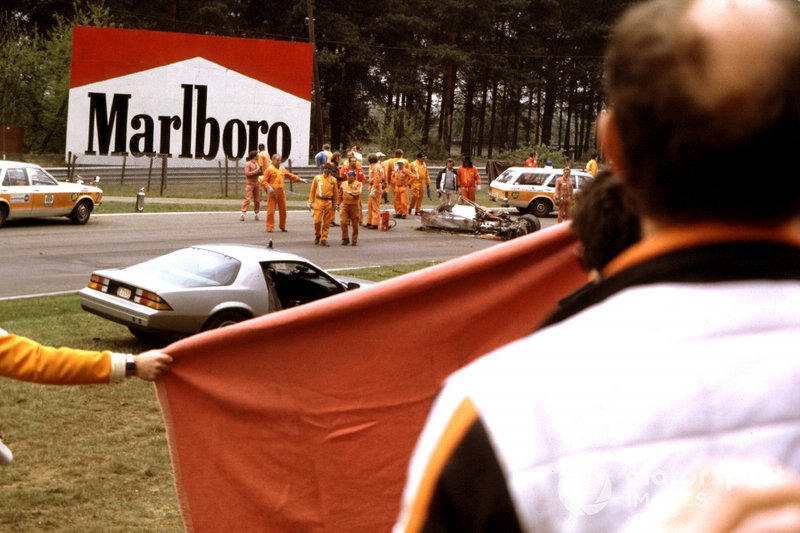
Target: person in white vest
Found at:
x=686, y=351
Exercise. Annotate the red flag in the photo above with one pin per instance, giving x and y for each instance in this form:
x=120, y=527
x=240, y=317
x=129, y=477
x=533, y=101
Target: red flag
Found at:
x=305, y=420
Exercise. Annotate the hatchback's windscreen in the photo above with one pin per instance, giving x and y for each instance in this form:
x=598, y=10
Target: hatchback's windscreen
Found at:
x=191, y=267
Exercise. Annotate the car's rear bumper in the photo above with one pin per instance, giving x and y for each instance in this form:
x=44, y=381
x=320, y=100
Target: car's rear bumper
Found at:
x=131, y=314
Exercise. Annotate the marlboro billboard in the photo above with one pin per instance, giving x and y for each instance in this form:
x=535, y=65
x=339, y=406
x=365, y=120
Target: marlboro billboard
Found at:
x=194, y=98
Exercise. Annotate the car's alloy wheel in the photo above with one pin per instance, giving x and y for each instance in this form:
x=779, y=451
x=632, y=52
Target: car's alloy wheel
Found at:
x=541, y=208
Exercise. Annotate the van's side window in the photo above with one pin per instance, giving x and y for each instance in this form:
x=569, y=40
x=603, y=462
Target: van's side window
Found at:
x=531, y=179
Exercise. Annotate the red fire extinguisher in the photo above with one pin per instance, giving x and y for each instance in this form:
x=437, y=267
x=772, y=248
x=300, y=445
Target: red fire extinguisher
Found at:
x=385, y=220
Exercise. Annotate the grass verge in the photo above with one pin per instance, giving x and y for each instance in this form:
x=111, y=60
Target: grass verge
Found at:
x=89, y=458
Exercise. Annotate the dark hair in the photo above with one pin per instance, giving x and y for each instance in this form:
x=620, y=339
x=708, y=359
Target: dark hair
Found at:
x=420, y=155
x=261, y=146
x=372, y=158
x=252, y=154
x=684, y=132
x=605, y=220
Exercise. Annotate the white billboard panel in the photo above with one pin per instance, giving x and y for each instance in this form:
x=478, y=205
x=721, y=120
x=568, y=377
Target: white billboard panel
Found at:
x=196, y=110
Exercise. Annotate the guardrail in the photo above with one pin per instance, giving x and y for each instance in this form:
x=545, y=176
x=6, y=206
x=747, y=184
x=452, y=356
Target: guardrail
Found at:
x=116, y=174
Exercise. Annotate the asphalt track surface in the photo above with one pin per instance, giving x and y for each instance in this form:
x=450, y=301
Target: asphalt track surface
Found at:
x=46, y=256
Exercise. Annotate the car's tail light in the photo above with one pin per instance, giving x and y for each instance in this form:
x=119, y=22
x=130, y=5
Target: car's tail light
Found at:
x=98, y=283
x=151, y=300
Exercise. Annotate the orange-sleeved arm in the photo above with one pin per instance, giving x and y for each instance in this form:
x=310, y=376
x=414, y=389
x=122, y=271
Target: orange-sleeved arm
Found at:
x=27, y=360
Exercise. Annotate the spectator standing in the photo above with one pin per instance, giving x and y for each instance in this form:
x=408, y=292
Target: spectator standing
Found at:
x=252, y=172
x=447, y=184
x=323, y=156
x=273, y=184
x=469, y=179
x=670, y=360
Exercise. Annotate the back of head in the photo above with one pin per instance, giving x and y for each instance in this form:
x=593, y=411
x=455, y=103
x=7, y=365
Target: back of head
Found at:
x=699, y=88
x=604, y=220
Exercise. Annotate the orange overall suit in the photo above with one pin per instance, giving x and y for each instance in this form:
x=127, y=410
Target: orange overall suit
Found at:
x=400, y=179
x=323, y=196
x=419, y=183
x=276, y=195
x=468, y=181
x=376, y=179
x=350, y=213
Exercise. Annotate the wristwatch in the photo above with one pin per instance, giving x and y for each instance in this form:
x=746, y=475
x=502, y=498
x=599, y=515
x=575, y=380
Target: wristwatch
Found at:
x=130, y=366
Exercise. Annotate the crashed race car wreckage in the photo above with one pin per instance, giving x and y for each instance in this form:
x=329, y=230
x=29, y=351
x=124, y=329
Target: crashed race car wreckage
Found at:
x=470, y=217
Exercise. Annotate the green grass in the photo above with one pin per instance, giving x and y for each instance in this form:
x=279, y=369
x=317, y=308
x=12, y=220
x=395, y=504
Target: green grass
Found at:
x=209, y=189
x=89, y=458
x=384, y=272
x=128, y=207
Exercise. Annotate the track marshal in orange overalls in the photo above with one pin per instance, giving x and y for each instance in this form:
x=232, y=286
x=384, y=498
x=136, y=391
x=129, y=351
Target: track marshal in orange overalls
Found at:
x=469, y=179
x=401, y=177
x=376, y=181
x=419, y=182
x=350, y=213
x=276, y=193
x=323, y=196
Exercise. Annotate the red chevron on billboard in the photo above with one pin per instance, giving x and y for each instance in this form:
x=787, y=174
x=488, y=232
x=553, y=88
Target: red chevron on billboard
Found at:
x=194, y=98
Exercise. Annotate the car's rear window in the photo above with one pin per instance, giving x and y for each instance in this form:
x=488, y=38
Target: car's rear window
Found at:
x=191, y=267
x=505, y=177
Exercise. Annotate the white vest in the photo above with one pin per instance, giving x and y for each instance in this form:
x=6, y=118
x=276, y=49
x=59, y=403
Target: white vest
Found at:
x=592, y=417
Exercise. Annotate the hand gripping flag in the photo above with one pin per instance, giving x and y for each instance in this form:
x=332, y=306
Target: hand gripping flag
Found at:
x=304, y=420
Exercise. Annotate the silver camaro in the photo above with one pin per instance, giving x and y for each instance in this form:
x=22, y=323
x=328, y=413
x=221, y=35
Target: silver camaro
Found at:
x=206, y=287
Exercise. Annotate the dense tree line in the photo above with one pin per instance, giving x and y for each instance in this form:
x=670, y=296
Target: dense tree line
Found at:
x=479, y=78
